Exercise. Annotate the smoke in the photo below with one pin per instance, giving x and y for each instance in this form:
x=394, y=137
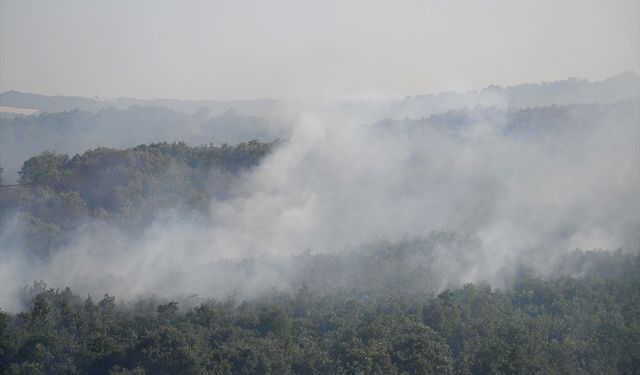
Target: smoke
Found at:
x=340, y=181
x=510, y=183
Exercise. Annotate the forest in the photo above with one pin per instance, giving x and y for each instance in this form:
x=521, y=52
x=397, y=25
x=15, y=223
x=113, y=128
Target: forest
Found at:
x=328, y=187
x=380, y=308
x=471, y=240
x=562, y=326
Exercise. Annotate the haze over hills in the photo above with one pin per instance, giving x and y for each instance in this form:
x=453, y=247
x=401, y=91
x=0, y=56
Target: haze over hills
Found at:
x=68, y=103
x=572, y=90
x=85, y=123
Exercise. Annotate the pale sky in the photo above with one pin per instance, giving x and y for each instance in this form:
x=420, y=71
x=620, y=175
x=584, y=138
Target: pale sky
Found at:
x=296, y=48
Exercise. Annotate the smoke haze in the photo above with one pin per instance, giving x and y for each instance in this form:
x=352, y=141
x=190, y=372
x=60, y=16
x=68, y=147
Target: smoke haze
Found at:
x=474, y=192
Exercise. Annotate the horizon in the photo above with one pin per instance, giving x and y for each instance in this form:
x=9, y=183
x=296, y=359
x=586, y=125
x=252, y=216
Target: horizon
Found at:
x=347, y=98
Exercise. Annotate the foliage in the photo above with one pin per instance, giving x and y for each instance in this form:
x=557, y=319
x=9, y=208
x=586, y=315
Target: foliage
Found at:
x=129, y=187
x=566, y=326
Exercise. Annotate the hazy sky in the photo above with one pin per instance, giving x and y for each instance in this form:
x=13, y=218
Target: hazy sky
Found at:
x=295, y=48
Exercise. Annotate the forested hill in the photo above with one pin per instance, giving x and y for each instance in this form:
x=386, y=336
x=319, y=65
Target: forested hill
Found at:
x=535, y=122
x=128, y=187
x=76, y=131
x=59, y=103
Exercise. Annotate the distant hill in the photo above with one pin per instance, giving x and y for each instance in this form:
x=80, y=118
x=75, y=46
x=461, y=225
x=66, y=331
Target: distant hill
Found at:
x=570, y=91
x=621, y=87
x=59, y=103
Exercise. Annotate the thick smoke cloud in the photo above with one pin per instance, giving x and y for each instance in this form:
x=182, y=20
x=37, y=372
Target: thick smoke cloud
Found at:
x=341, y=179
x=514, y=183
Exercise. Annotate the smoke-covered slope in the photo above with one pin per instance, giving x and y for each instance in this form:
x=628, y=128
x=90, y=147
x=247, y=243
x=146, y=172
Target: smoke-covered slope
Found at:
x=515, y=183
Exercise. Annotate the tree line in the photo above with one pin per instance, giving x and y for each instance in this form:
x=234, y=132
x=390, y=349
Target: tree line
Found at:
x=562, y=326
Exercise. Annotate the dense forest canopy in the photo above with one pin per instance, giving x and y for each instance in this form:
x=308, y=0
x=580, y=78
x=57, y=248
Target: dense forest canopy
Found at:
x=562, y=326
x=127, y=188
